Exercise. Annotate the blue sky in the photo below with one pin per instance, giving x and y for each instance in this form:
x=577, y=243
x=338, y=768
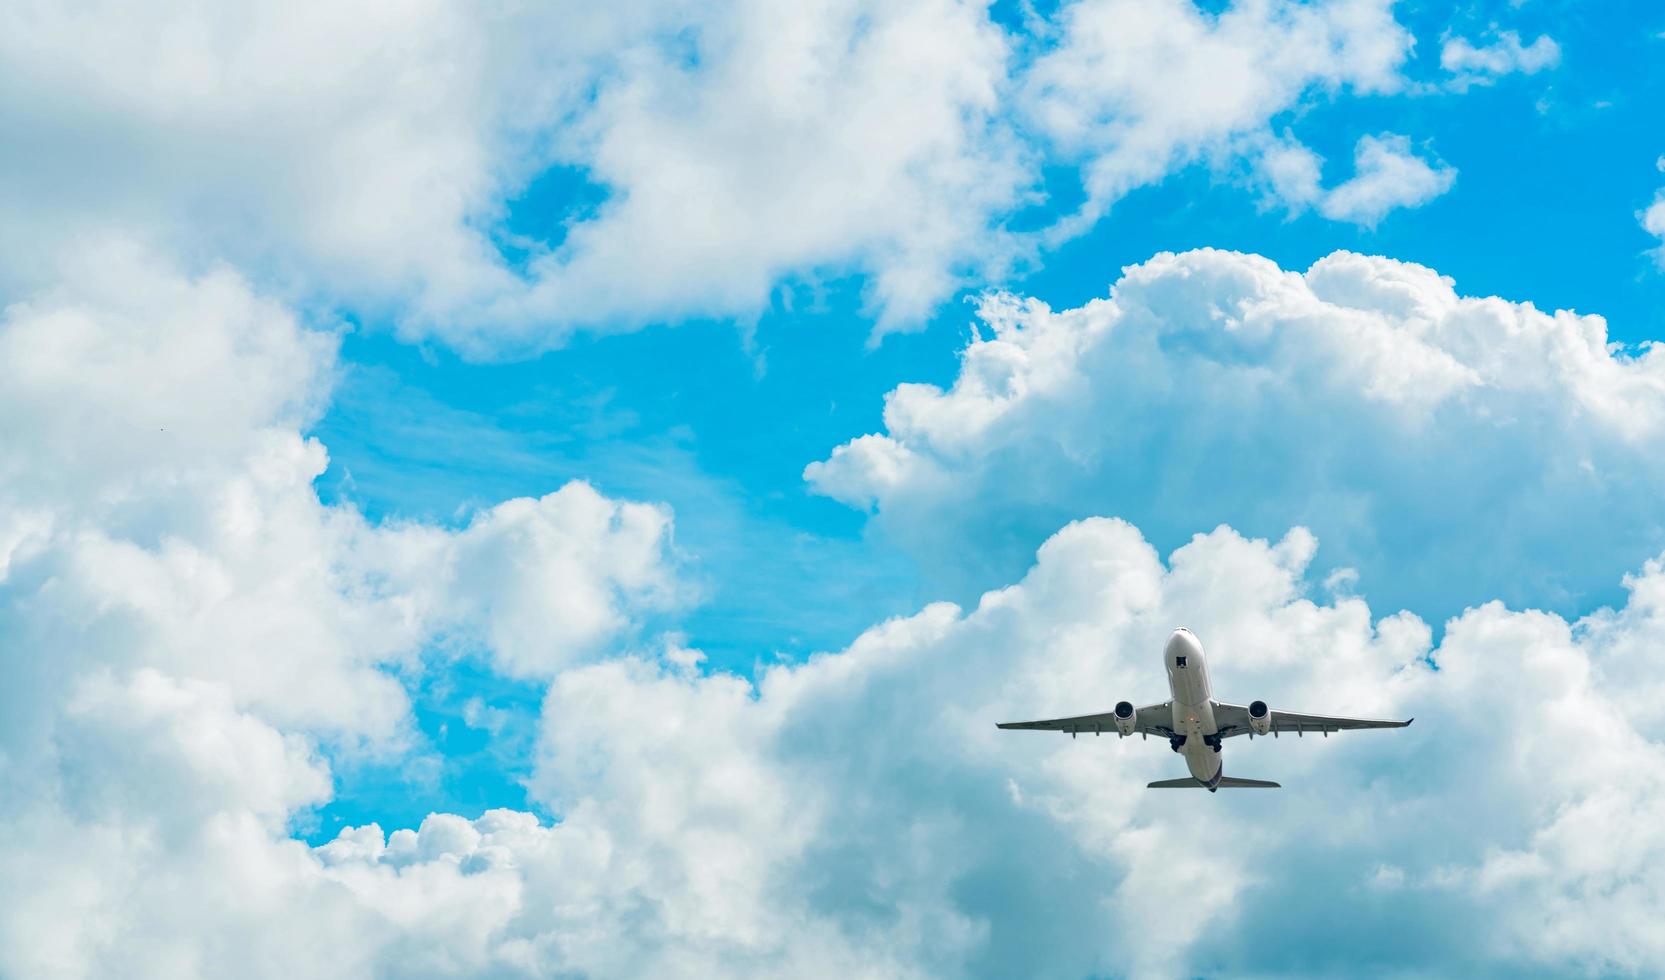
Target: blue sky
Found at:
x=568, y=492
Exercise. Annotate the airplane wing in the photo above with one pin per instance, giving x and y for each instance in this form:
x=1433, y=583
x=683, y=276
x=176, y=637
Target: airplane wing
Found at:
x=1152, y=719
x=1233, y=719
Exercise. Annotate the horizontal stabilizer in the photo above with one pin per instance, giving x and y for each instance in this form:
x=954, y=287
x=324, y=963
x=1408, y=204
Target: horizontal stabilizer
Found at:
x=1225, y=782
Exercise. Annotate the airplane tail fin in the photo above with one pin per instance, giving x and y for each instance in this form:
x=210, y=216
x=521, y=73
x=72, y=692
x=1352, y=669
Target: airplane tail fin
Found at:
x=1225, y=783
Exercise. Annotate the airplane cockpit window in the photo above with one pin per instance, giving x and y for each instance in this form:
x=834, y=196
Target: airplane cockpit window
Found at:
x=1179, y=661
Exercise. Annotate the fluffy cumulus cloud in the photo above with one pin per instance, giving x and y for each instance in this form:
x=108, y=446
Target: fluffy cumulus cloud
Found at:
x=859, y=815
x=866, y=794
x=1470, y=64
x=1451, y=448
x=192, y=637
x=158, y=509
x=190, y=633
x=501, y=176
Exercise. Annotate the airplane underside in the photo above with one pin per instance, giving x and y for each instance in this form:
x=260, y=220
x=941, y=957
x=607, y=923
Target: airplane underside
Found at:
x=1203, y=756
x=1196, y=725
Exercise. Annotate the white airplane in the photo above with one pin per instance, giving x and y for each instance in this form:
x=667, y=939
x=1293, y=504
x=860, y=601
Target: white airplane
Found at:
x=1195, y=724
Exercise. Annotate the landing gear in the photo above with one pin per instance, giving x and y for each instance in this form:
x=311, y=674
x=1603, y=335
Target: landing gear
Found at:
x=1212, y=741
x=1177, y=742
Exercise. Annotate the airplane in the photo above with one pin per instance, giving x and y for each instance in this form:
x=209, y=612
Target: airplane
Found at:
x=1195, y=724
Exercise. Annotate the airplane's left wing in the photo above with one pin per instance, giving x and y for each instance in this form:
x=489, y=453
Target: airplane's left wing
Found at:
x=1152, y=719
x=1233, y=719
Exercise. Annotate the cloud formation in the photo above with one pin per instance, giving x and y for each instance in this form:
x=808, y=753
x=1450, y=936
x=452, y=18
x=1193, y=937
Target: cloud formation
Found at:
x=373, y=155
x=501, y=177
x=153, y=458
x=1451, y=448
x=859, y=815
x=190, y=633
x=1387, y=175
x=1471, y=64
x=205, y=635
x=1135, y=89
x=886, y=803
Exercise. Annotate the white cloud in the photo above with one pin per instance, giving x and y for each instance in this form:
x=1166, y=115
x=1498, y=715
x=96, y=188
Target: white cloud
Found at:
x=152, y=458
x=1653, y=218
x=1450, y=448
x=153, y=843
x=365, y=152
x=859, y=815
x=125, y=374
x=1135, y=89
x=1472, y=65
x=188, y=627
x=1292, y=172
x=350, y=144
x=160, y=492
x=1387, y=175
x=867, y=794
x=822, y=136
x=162, y=748
x=183, y=643
x=538, y=584
x=368, y=155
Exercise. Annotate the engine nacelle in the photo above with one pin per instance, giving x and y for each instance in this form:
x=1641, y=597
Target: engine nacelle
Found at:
x=1126, y=719
x=1260, y=717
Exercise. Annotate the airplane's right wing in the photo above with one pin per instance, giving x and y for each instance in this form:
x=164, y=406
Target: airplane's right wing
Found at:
x=1233, y=719
x=1152, y=719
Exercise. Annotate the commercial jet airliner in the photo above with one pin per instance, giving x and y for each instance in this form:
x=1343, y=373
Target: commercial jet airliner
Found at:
x=1195, y=724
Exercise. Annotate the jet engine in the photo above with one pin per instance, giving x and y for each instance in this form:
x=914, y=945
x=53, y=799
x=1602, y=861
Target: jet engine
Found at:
x=1260, y=717
x=1126, y=720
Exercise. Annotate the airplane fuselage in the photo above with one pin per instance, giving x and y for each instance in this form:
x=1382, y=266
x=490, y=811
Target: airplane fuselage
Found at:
x=1193, y=707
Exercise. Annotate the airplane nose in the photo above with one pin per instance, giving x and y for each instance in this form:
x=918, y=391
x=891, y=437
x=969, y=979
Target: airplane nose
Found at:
x=1181, y=641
